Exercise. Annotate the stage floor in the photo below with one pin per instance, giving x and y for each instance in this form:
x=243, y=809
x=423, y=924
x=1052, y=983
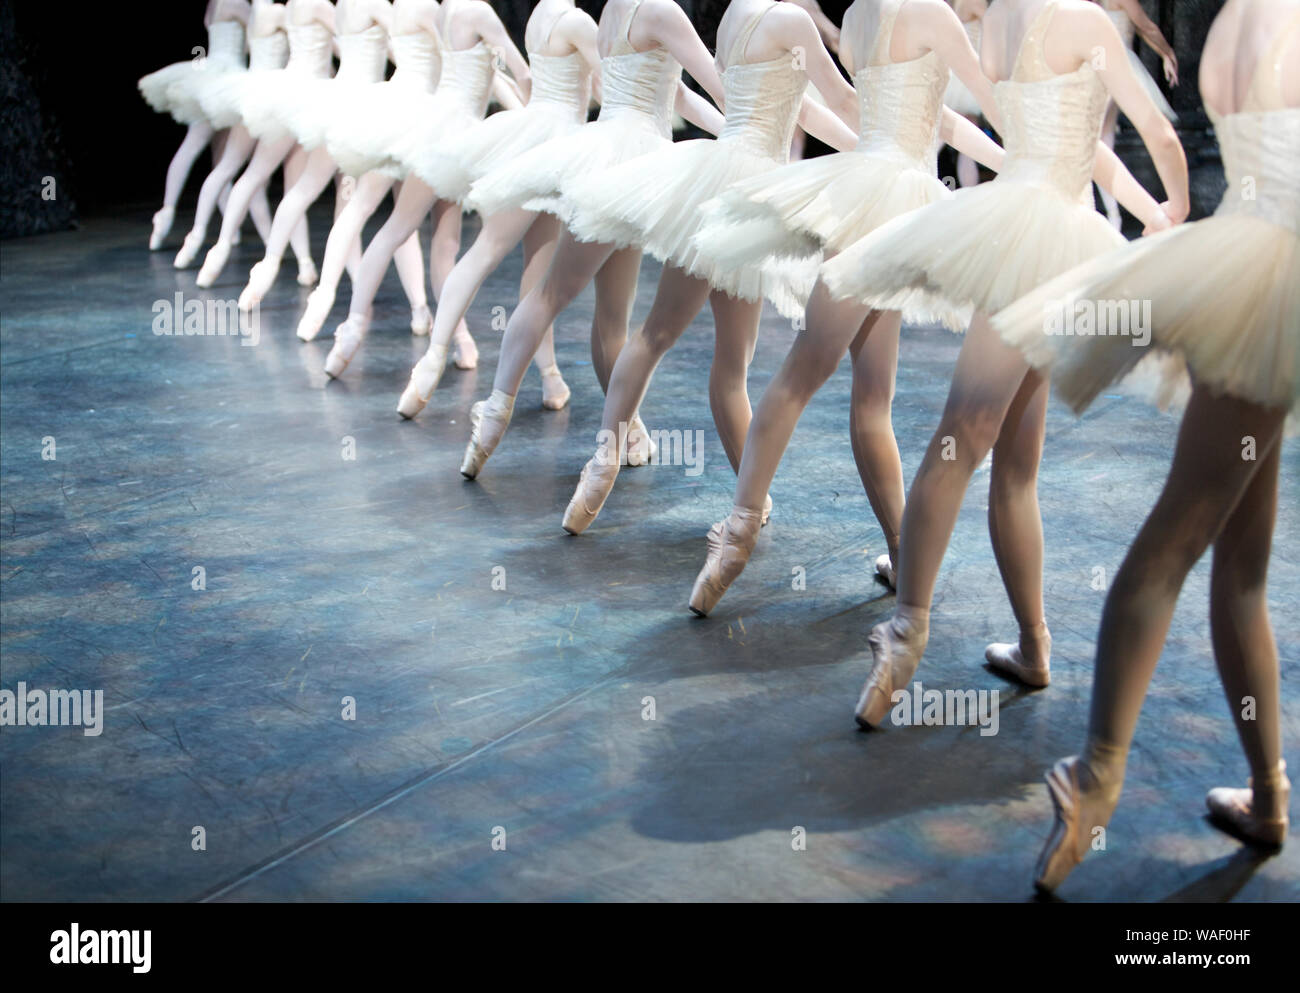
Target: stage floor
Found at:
x=518, y=714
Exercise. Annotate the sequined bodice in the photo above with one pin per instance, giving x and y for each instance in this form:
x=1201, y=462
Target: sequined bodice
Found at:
x=363, y=55
x=641, y=83
x=562, y=80
x=763, y=100
x=419, y=62
x=1051, y=122
x=467, y=77
x=226, y=43
x=900, y=105
x=268, y=52
x=309, y=49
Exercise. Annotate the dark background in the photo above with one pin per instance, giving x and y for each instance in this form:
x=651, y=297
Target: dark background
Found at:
x=69, y=108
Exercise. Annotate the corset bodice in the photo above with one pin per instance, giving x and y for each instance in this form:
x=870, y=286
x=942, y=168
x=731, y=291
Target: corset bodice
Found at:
x=641, y=83
x=309, y=49
x=1051, y=127
x=268, y=52
x=363, y=55
x=763, y=100
x=562, y=80
x=226, y=43
x=419, y=62
x=467, y=77
x=900, y=105
x=1260, y=150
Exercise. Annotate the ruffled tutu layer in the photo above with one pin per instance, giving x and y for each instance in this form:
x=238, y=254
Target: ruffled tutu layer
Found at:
x=501, y=139
x=655, y=202
x=535, y=179
x=371, y=123
x=1221, y=295
x=805, y=208
x=177, y=89
x=222, y=99
x=428, y=152
x=981, y=249
x=295, y=105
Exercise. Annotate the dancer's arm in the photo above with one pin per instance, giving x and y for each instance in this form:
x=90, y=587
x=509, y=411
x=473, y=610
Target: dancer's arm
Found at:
x=504, y=53
x=506, y=92
x=1093, y=39
x=837, y=122
x=1152, y=35
x=931, y=26
x=964, y=136
x=830, y=34
x=579, y=30
x=663, y=23
x=694, y=108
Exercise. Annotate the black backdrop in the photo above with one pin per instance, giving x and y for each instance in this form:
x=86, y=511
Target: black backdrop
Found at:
x=69, y=108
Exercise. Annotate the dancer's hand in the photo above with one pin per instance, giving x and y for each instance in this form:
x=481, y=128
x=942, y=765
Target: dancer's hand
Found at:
x=1160, y=221
x=1171, y=69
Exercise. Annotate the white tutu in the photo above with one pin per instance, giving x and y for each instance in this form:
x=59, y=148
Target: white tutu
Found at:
x=178, y=89
x=535, y=179
x=222, y=98
x=370, y=123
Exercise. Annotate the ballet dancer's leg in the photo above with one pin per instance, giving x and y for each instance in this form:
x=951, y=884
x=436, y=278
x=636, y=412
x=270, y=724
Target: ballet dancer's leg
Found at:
x=300, y=239
x=408, y=260
x=616, y=284
x=678, y=299
x=237, y=150
x=443, y=249
x=574, y=265
x=735, y=336
x=1209, y=480
x=266, y=159
x=259, y=209
x=196, y=139
x=987, y=378
x=539, y=245
x=366, y=197
x=499, y=234
x=413, y=202
x=307, y=188
x=1016, y=527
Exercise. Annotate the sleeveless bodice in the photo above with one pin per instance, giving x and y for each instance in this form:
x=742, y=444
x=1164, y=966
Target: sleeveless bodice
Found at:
x=309, y=49
x=563, y=80
x=226, y=43
x=763, y=100
x=268, y=52
x=643, y=83
x=419, y=62
x=1051, y=122
x=467, y=77
x=363, y=55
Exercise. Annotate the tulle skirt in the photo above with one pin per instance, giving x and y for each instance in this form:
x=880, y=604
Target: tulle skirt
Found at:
x=429, y=151
x=980, y=249
x=177, y=89
x=535, y=179
x=655, y=202
x=371, y=124
x=222, y=99
x=1221, y=295
x=296, y=105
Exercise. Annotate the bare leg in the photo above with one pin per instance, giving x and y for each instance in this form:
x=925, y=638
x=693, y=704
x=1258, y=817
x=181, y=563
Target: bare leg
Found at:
x=735, y=336
x=368, y=194
x=616, y=283
x=874, y=353
x=1209, y=482
x=196, y=139
x=266, y=159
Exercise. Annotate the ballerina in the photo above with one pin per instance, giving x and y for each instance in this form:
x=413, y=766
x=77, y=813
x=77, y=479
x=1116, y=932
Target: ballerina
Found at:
x=360, y=140
x=1054, y=62
x=1131, y=20
x=561, y=45
x=362, y=29
x=175, y=90
x=1237, y=327
x=958, y=96
x=644, y=46
x=471, y=34
x=267, y=113
x=222, y=102
x=823, y=206
x=763, y=49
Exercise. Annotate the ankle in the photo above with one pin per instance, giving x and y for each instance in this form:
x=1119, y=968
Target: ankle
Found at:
x=1036, y=644
x=1102, y=768
x=911, y=623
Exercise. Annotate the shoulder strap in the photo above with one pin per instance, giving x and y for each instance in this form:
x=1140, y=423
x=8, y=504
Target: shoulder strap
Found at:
x=737, y=52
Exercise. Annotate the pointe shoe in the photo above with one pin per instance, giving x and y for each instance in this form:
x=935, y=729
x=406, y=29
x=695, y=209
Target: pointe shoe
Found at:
x=1257, y=814
x=896, y=648
x=1009, y=659
x=213, y=263
x=1079, y=809
x=190, y=248
x=347, y=340
x=594, y=486
x=731, y=542
x=641, y=448
x=555, y=391
x=317, y=312
x=465, y=353
x=162, y=226
x=424, y=380
x=421, y=321
x=260, y=280
x=767, y=510
x=307, y=274
x=885, y=570
x=488, y=422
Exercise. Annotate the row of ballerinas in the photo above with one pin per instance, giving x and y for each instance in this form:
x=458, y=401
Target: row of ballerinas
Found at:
x=860, y=242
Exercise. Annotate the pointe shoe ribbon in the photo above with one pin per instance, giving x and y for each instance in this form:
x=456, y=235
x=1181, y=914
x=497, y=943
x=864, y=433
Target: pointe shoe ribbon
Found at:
x=488, y=422
x=424, y=380
x=641, y=448
x=731, y=542
x=347, y=341
x=1257, y=813
x=1078, y=810
x=594, y=486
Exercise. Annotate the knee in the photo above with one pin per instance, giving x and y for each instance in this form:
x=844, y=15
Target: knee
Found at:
x=1236, y=576
x=657, y=337
x=966, y=435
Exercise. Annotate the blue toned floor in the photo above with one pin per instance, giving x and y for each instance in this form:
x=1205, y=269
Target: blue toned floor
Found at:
x=500, y=671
